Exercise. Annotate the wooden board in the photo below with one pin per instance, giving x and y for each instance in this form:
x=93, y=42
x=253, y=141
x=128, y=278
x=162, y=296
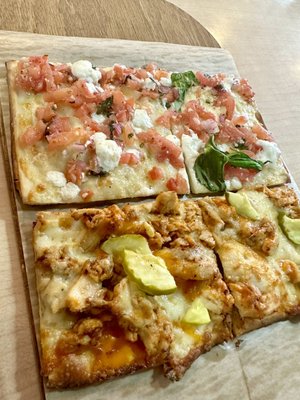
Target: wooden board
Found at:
x=224, y=371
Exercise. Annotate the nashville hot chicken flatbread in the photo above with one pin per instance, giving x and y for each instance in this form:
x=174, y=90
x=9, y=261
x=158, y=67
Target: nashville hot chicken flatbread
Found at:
x=160, y=283
x=257, y=237
x=83, y=133
x=122, y=289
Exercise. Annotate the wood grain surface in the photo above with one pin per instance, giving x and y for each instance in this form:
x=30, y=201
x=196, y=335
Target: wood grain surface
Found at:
x=154, y=21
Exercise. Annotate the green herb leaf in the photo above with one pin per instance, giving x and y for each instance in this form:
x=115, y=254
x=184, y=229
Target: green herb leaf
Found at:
x=209, y=167
x=105, y=107
x=241, y=160
x=183, y=81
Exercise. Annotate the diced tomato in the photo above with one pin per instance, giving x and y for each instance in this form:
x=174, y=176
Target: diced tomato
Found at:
x=160, y=73
x=133, y=84
x=209, y=80
x=155, y=174
x=141, y=73
x=60, y=134
x=261, y=132
x=75, y=170
x=86, y=194
x=45, y=113
x=128, y=135
x=244, y=89
x=243, y=174
x=162, y=148
x=129, y=158
x=193, y=105
x=240, y=120
x=151, y=67
x=122, y=108
x=150, y=93
x=202, y=122
x=231, y=134
x=76, y=95
x=167, y=119
x=36, y=74
x=33, y=134
x=171, y=95
x=226, y=100
x=178, y=184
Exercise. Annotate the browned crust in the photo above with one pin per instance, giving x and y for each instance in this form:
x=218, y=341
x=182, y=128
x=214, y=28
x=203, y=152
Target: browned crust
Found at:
x=69, y=379
x=244, y=325
x=175, y=371
x=10, y=66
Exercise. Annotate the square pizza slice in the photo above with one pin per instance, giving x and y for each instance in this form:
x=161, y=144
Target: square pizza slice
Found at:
x=83, y=133
x=122, y=289
x=224, y=140
x=257, y=236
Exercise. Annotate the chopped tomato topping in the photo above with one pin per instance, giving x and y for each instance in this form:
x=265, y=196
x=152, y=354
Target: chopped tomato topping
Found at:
x=167, y=119
x=209, y=80
x=150, y=93
x=162, y=148
x=76, y=95
x=160, y=73
x=261, y=132
x=202, y=122
x=75, y=170
x=60, y=134
x=243, y=174
x=155, y=174
x=36, y=74
x=171, y=95
x=178, y=184
x=129, y=158
x=240, y=120
x=45, y=113
x=122, y=108
x=226, y=100
x=128, y=135
x=231, y=134
x=33, y=134
x=152, y=67
x=244, y=89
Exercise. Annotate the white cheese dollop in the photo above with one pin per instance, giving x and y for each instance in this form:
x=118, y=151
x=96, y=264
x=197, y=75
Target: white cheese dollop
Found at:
x=192, y=145
x=233, y=184
x=165, y=81
x=99, y=118
x=270, y=151
x=223, y=147
x=94, y=88
x=70, y=191
x=83, y=69
x=57, y=178
x=149, y=84
x=108, y=152
x=141, y=119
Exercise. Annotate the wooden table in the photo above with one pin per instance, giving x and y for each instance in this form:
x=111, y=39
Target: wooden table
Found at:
x=150, y=21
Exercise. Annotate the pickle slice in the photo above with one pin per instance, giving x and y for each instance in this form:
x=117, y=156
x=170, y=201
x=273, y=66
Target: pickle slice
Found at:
x=242, y=205
x=290, y=227
x=149, y=272
x=116, y=245
x=197, y=314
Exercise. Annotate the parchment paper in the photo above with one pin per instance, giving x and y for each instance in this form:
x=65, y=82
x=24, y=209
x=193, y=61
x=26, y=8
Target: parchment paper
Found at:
x=266, y=364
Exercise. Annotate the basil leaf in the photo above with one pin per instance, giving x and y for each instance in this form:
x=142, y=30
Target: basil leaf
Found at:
x=209, y=167
x=242, y=160
x=105, y=107
x=183, y=81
